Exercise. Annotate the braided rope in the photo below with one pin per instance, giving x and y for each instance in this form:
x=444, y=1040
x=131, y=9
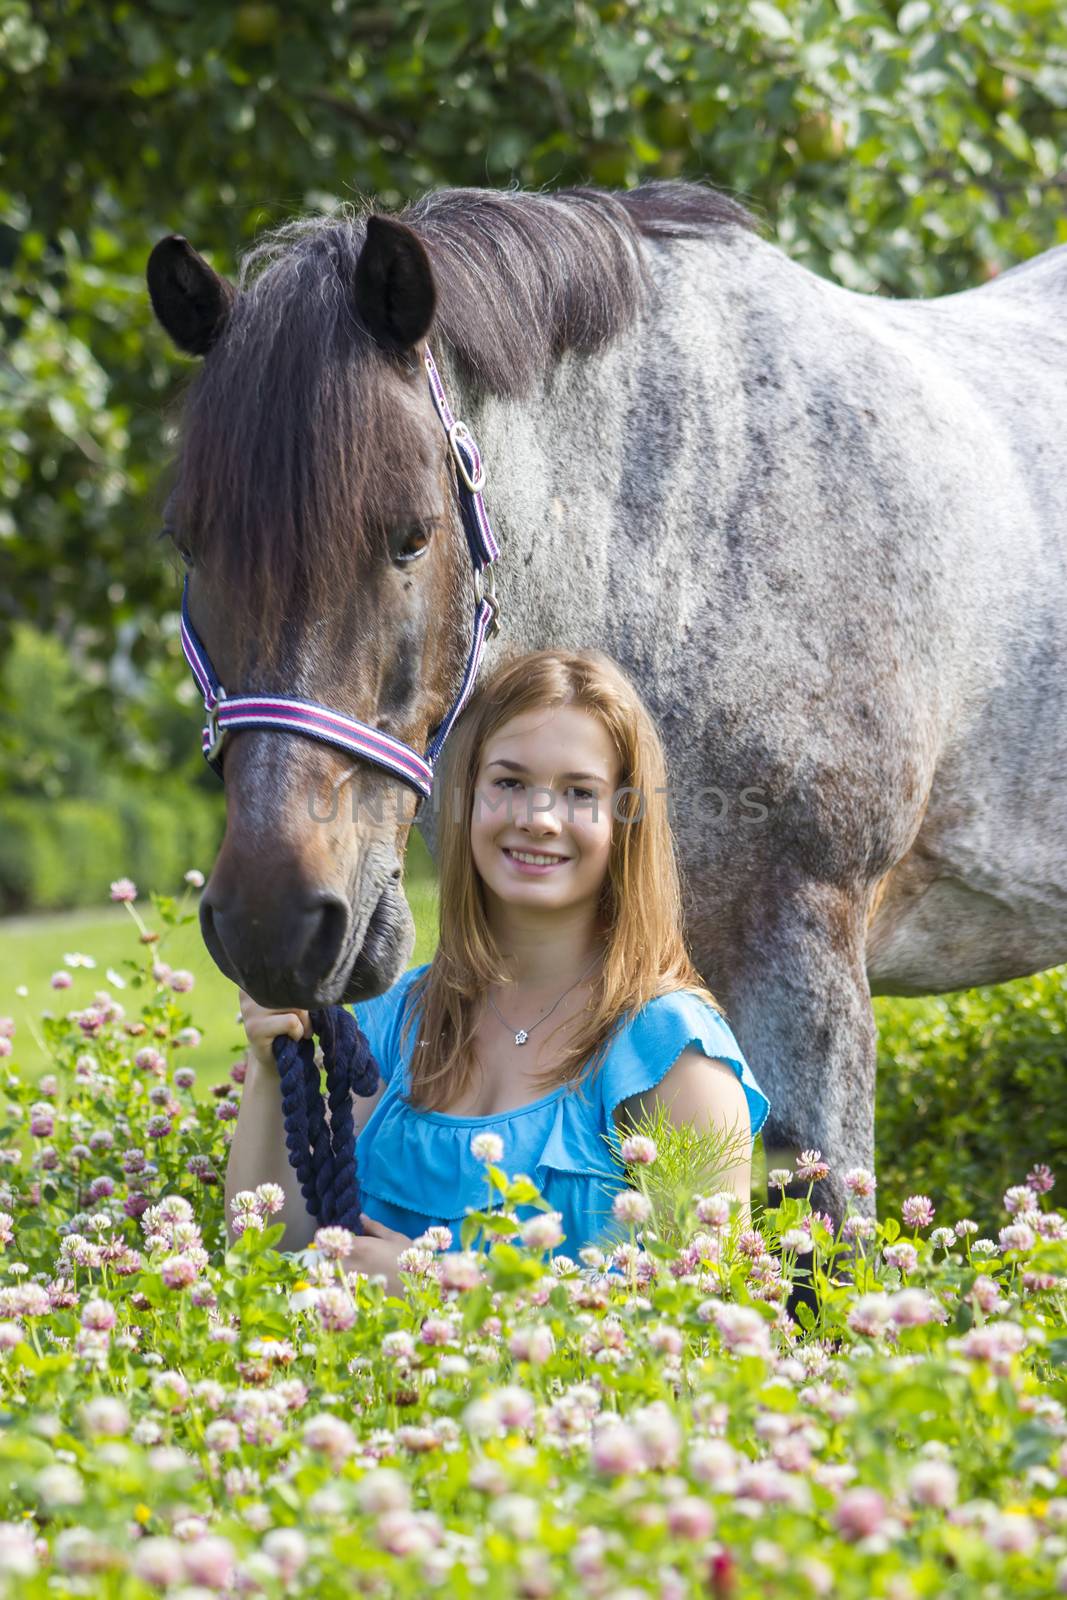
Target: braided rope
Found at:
x=321, y=1153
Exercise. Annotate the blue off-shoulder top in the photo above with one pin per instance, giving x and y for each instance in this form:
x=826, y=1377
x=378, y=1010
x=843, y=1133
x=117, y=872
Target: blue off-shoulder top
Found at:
x=416, y=1167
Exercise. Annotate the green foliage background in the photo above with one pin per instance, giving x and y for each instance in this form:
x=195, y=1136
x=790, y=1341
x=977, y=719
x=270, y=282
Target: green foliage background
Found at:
x=909, y=149
x=905, y=149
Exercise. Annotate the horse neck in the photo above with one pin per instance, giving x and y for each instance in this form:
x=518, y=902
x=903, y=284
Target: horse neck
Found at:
x=579, y=453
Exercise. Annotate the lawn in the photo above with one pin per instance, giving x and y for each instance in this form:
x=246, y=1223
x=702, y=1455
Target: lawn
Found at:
x=33, y=948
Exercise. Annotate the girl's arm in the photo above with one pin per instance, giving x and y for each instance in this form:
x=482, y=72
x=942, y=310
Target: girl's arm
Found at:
x=708, y=1094
x=258, y=1153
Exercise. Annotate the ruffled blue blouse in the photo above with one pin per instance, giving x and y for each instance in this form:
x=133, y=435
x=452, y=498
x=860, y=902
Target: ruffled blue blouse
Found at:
x=416, y=1167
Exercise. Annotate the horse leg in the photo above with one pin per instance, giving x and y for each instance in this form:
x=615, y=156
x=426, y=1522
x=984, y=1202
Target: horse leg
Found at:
x=795, y=988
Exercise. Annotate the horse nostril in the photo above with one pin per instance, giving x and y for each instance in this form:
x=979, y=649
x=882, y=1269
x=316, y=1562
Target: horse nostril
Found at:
x=320, y=953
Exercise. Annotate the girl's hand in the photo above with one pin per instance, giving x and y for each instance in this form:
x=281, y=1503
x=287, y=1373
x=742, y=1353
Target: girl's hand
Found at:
x=261, y=1026
x=377, y=1251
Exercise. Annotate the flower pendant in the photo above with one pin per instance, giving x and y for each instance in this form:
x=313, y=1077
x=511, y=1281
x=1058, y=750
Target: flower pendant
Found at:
x=522, y=1036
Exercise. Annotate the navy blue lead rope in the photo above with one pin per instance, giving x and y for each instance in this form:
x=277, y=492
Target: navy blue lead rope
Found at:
x=324, y=1156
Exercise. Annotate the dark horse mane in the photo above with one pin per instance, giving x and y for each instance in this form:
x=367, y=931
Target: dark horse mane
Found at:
x=293, y=460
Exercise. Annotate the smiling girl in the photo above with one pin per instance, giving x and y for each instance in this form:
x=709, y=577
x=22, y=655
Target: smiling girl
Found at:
x=561, y=1003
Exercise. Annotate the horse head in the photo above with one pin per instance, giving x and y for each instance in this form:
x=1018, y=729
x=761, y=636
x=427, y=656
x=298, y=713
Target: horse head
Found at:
x=315, y=509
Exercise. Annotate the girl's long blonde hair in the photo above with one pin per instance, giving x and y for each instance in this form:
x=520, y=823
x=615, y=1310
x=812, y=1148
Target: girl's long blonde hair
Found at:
x=640, y=910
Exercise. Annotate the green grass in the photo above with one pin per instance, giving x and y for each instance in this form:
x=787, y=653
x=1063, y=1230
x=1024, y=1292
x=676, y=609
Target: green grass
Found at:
x=32, y=948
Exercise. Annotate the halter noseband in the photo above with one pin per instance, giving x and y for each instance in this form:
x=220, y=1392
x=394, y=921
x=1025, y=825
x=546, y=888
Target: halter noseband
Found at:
x=225, y=712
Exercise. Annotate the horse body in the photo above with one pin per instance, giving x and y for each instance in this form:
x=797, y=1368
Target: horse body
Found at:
x=822, y=531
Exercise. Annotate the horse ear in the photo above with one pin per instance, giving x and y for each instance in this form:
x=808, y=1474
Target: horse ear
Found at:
x=190, y=299
x=394, y=293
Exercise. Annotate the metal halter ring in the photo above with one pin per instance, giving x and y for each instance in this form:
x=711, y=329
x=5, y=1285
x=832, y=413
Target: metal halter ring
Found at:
x=485, y=589
x=216, y=733
x=460, y=432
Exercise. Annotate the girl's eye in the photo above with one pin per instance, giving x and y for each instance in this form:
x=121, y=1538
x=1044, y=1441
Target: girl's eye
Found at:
x=585, y=793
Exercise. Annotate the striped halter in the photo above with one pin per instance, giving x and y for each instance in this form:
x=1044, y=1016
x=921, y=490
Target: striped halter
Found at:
x=225, y=712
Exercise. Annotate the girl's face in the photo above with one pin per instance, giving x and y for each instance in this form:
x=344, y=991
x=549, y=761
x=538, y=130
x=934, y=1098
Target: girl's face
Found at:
x=545, y=787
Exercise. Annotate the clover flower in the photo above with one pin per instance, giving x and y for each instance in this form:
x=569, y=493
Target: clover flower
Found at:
x=333, y=1243
x=690, y=1518
x=329, y=1436
x=211, y=1561
x=917, y=1211
x=42, y=1120
x=398, y=1346
x=460, y=1270
x=124, y=890
x=617, y=1450
x=416, y=1260
x=1017, y=1236
x=1040, y=1178
x=336, y=1309
x=637, y=1150
x=487, y=1147
x=811, y=1168
x=270, y=1198
x=100, y=1315
x=631, y=1207
x=934, y=1484
x=105, y=1417
x=985, y=1292
x=913, y=1308
x=437, y=1331
x=543, y=1232
x=408, y=1533
x=288, y=1549
x=859, y=1513
x=178, y=1272
x=902, y=1255
x=383, y=1489
x=715, y=1210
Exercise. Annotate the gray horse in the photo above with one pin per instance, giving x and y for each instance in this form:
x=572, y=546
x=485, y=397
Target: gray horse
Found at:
x=822, y=530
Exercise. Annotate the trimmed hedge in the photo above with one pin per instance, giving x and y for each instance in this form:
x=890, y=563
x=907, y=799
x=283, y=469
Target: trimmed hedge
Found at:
x=59, y=854
x=972, y=1092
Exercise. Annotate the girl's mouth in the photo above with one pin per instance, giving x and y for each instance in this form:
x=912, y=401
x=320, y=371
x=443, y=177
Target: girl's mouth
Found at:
x=537, y=865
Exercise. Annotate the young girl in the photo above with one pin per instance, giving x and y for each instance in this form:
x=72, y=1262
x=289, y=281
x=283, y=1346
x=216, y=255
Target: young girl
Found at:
x=561, y=1002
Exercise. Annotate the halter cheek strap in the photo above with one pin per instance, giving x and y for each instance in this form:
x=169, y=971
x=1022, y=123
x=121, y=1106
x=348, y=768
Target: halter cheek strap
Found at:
x=225, y=712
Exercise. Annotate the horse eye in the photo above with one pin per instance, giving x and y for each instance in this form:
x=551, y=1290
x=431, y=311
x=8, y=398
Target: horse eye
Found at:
x=412, y=542
x=184, y=552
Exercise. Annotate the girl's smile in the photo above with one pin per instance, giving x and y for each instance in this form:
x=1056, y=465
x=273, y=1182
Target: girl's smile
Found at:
x=534, y=864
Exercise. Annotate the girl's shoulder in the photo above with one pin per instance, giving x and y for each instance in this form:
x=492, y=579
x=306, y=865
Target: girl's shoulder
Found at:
x=646, y=1045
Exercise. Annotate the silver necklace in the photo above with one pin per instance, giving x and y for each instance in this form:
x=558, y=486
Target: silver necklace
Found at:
x=524, y=1033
